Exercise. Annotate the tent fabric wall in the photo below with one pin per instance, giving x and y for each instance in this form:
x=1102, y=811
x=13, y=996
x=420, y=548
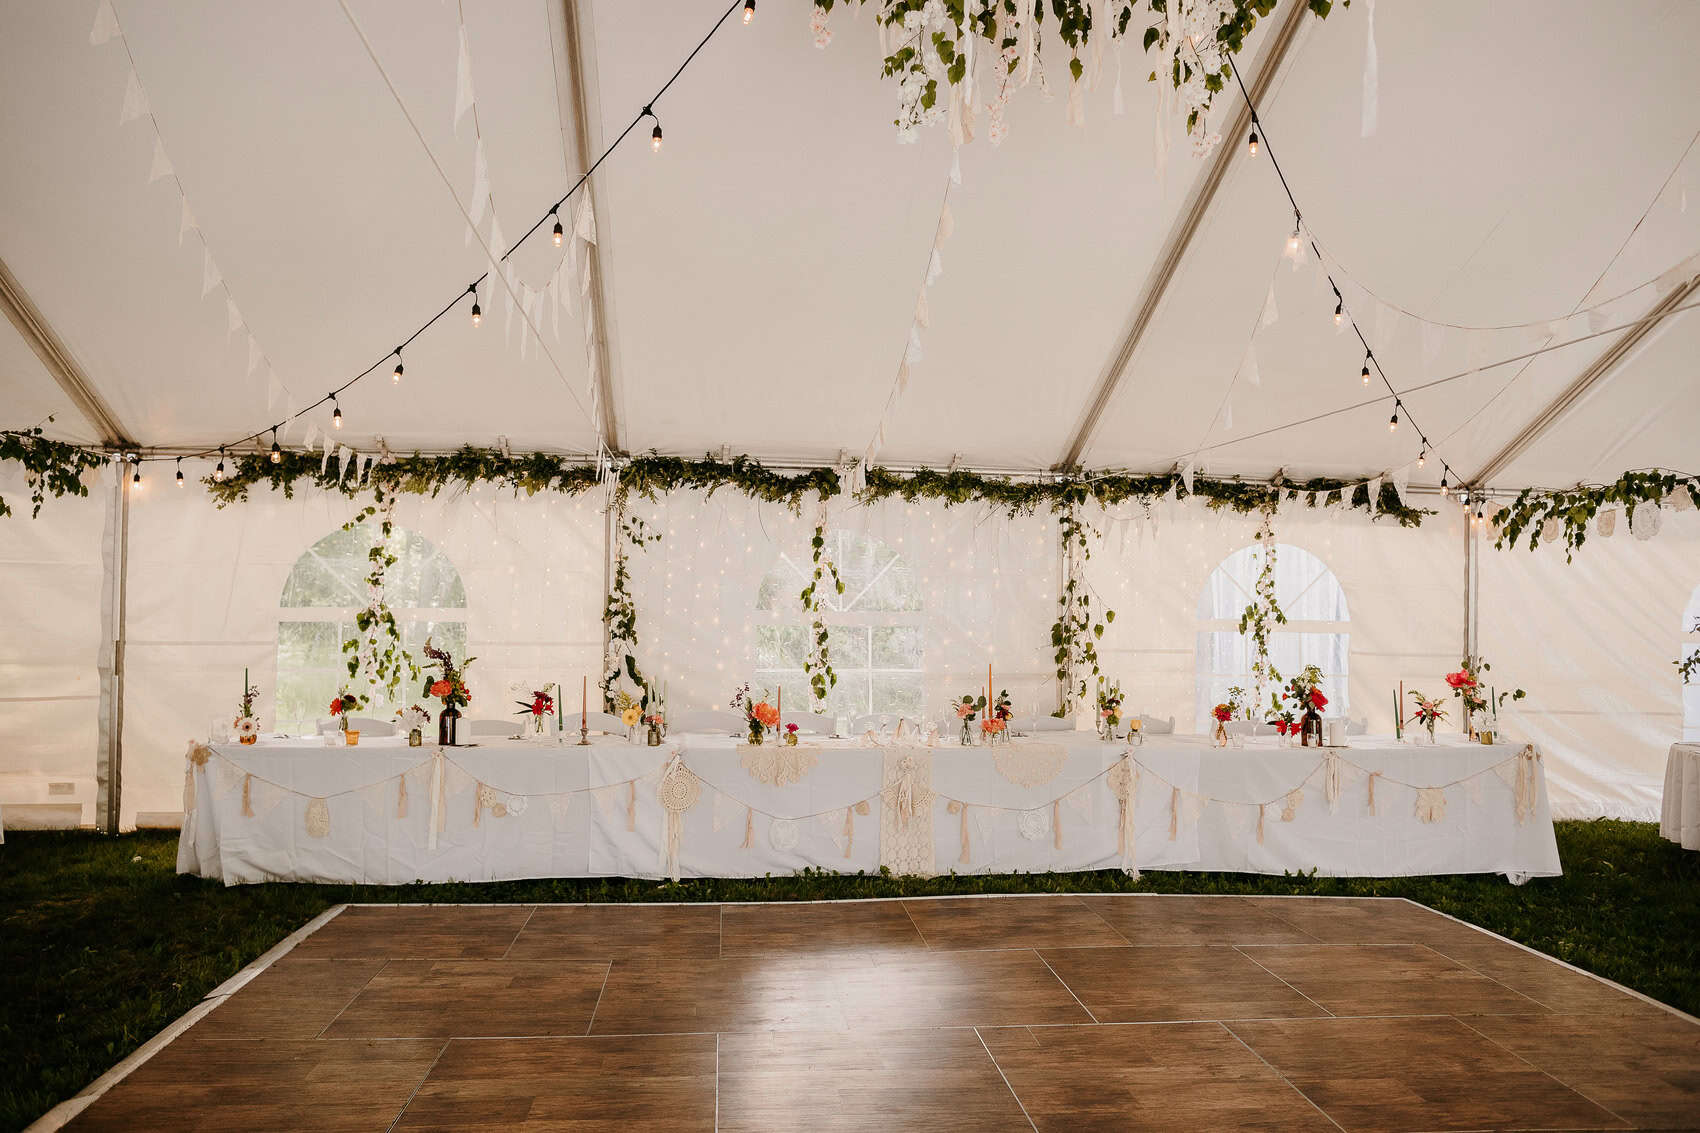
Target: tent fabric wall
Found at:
x=203, y=604
x=1403, y=586
x=1593, y=641
x=51, y=587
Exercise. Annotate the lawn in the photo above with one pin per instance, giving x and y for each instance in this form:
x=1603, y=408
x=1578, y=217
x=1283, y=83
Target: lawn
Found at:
x=102, y=944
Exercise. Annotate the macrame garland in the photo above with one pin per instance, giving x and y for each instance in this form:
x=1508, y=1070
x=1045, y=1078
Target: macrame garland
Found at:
x=1261, y=807
x=197, y=756
x=1525, y=789
x=318, y=818
x=401, y=797
x=849, y=829
x=1123, y=780
x=749, y=828
x=1431, y=804
x=631, y=805
x=677, y=792
x=961, y=808
x=247, y=796
x=1290, y=805
x=1056, y=823
x=1373, y=776
x=1174, y=812
x=1331, y=780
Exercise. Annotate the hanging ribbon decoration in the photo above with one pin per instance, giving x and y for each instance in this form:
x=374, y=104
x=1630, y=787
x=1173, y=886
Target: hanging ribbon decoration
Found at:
x=961, y=808
x=631, y=805
x=401, y=797
x=1124, y=783
x=1056, y=823
x=677, y=792
x=1526, y=789
x=1331, y=780
x=1174, y=812
x=247, y=796
x=1373, y=776
x=196, y=756
x=749, y=827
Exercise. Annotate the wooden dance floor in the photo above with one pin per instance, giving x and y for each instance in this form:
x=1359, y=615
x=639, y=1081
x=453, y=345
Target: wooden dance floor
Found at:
x=1066, y=1013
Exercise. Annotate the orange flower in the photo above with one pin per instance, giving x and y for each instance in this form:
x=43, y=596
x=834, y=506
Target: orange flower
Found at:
x=766, y=714
x=440, y=688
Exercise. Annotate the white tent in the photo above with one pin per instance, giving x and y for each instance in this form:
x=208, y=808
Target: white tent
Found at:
x=221, y=211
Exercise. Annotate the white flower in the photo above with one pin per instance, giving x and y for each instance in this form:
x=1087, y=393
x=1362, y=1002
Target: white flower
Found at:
x=247, y=726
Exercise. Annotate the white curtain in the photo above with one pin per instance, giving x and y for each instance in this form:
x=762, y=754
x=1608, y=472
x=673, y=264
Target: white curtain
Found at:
x=1593, y=641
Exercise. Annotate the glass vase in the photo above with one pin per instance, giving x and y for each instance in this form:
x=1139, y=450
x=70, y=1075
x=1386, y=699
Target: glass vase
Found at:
x=755, y=733
x=967, y=733
x=447, y=719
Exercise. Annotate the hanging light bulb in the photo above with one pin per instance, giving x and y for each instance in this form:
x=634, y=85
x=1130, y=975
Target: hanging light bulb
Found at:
x=277, y=453
x=1444, y=489
x=1393, y=421
x=749, y=10
x=179, y=472
x=137, y=478
x=336, y=413
x=655, y=134
x=1366, y=369
x=477, y=311
x=1422, y=456
x=559, y=233
x=1339, y=312
x=218, y=473
x=1251, y=146
x=395, y=378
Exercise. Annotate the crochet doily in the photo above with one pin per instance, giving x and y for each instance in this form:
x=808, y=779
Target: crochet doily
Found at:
x=776, y=764
x=782, y=835
x=678, y=790
x=1033, y=824
x=318, y=818
x=1029, y=764
x=906, y=818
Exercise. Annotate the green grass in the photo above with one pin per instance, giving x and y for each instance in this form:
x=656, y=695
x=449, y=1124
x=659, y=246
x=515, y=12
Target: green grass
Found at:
x=102, y=944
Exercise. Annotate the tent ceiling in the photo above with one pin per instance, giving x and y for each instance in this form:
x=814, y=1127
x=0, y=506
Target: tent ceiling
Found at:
x=761, y=273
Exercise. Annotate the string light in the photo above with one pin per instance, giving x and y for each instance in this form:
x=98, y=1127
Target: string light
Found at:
x=749, y=10
x=1444, y=490
x=1422, y=456
x=655, y=134
x=137, y=478
x=218, y=473
x=1293, y=240
x=336, y=413
x=179, y=472
x=1366, y=369
x=477, y=311
x=1393, y=421
x=1251, y=146
x=395, y=378
x=277, y=453
x=559, y=232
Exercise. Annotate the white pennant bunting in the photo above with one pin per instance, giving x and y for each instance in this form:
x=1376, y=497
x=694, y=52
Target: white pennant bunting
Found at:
x=584, y=220
x=161, y=164
x=312, y=435
x=923, y=317
x=186, y=224
x=105, y=24
x=1372, y=78
x=255, y=355
x=480, y=199
x=1248, y=368
x=935, y=267
x=947, y=225
x=912, y=353
x=211, y=277
x=1270, y=314
x=464, y=97
x=135, y=100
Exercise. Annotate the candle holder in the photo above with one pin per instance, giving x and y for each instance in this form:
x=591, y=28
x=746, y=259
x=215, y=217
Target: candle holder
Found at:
x=583, y=736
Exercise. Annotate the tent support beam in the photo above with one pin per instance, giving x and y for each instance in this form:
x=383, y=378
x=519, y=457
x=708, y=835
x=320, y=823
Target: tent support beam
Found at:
x=1180, y=237
x=571, y=56
x=1600, y=369
x=36, y=331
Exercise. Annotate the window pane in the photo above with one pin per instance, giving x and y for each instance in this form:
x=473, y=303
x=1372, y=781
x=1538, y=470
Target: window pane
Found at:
x=848, y=644
x=897, y=647
x=897, y=693
x=781, y=647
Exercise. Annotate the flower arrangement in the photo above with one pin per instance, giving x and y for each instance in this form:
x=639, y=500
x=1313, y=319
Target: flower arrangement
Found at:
x=759, y=715
x=1300, y=697
x=1110, y=707
x=791, y=735
x=1429, y=712
x=247, y=727
x=1223, y=713
x=541, y=704
x=1466, y=685
x=340, y=707
x=968, y=710
x=1237, y=703
x=412, y=718
x=449, y=685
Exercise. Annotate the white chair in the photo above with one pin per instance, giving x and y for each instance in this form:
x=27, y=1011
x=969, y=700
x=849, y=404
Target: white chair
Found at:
x=1357, y=727
x=1152, y=726
x=706, y=720
x=365, y=725
x=812, y=723
x=493, y=729
x=604, y=722
x=1052, y=724
x=880, y=723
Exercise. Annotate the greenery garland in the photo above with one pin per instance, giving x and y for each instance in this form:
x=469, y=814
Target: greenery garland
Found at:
x=1571, y=511
x=1688, y=667
x=619, y=614
x=1255, y=619
x=817, y=665
x=49, y=466
x=1076, y=633
x=933, y=44
x=377, y=647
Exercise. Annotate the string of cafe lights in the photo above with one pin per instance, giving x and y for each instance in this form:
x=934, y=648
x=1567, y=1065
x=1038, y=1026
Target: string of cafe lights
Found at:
x=557, y=237
x=1259, y=142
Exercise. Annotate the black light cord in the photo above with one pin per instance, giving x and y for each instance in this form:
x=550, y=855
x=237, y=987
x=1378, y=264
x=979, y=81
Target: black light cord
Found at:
x=1369, y=353
x=552, y=211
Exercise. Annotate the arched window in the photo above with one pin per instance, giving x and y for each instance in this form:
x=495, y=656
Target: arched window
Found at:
x=1690, y=645
x=316, y=615
x=1317, y=631
x=873, y=629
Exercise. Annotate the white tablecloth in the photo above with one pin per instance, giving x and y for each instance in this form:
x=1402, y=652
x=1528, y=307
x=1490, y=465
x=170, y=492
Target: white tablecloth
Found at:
x=1679, y=817
x=386, y=813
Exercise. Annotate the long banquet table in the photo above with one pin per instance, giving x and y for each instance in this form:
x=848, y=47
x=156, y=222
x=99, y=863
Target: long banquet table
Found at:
x=706, y=805
x=1679, y=814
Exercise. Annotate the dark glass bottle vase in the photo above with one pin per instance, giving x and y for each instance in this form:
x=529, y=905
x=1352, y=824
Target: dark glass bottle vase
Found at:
x=1311, y=729
x=446, y=721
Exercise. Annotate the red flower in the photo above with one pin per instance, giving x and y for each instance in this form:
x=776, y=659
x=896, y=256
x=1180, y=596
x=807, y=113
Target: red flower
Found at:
x=1281, y=726
x=1460, y=679
x=1223, y=713
x=336, y=707
x=440, y=688
x=1317, y=700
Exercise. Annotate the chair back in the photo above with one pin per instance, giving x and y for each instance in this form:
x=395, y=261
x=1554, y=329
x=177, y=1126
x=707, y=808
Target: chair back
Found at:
x=706, y=720
x=1152, y=726
x=605, y=722
x=1357, y=727
x=812, y=723
x=371, y=726
x=489, y=728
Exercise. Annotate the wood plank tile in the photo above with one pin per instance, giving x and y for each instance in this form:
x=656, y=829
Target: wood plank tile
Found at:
x=660, y=1082
x=211, y=1086
x=1368, y=920
x=1546, y=981
x=821, y=928
x=864, y=1080
x=603, y=932
x=956, y=989
x=1160, y=919
x=734, y=994
x=1645, y=1068
x=1150, y=984
x=1180, y=1076
x=1388, y=979
x=1416, y=1074
x=468, y=998
x=417, y=932
x=292, y=999
x=1009, y=922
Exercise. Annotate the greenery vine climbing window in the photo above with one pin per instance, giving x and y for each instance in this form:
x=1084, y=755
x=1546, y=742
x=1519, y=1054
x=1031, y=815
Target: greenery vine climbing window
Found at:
x=1078, y=629
x=619, y=616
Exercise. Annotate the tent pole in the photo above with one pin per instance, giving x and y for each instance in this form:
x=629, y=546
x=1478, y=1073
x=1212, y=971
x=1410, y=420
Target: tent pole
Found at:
x=1472, y=574
x=109, y=755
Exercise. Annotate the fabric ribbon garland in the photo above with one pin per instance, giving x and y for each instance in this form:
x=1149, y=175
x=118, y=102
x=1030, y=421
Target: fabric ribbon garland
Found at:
x=401, y=797
x=1431, y=804
x=247, y=796
x=749, y=827
x=1056, y=823
x=1124, y=784
x=1331, y=780
x=196, y=756
x=631, y=805
x=1526, y=788
x=1174, y=812
x=960, y=808
x=1373, y=776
